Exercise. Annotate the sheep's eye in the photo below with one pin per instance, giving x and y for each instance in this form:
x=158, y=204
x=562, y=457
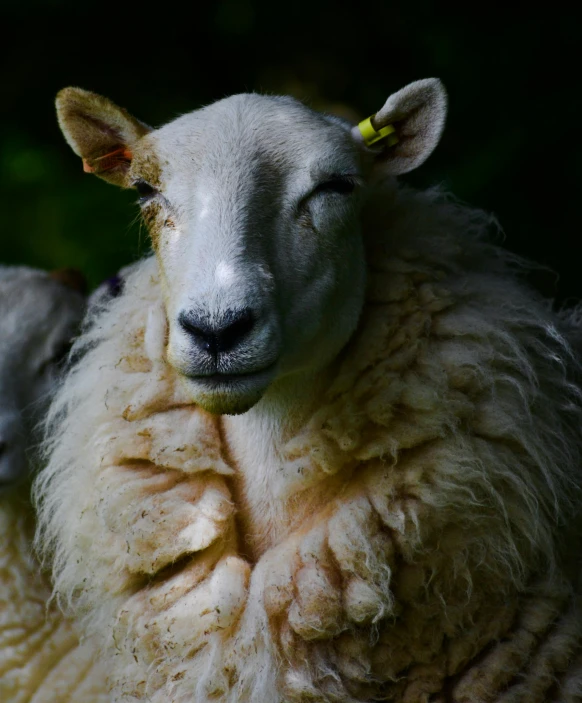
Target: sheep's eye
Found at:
x=343, y=185
x=144, y=190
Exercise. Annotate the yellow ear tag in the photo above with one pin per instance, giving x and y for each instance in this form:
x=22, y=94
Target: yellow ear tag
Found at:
x=371, y=135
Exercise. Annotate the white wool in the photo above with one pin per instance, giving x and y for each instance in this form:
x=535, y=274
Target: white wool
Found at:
x=41, y=657
x=418, y=538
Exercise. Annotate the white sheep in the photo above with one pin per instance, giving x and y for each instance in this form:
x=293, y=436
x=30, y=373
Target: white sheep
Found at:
x=41, y=660
x=326, y=444
x=38, y=315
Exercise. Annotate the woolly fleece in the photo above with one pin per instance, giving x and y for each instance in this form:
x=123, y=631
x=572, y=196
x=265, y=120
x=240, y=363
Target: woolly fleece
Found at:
x=41, y=658
x=432, y=535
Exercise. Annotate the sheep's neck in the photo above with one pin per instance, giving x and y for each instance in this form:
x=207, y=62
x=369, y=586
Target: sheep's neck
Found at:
x=253, y=442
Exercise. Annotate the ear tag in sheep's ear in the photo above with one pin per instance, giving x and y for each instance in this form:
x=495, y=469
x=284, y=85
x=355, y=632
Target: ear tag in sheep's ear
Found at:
x=372, y=135
x=109, y=161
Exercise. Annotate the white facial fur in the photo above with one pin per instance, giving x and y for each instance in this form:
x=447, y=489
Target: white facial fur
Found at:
x=256, y=216
x=38, y=316
x=253, y=208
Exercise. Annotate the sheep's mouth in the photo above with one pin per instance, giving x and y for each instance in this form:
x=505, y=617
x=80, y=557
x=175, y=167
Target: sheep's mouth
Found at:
x=221, y=378
x=230, y=393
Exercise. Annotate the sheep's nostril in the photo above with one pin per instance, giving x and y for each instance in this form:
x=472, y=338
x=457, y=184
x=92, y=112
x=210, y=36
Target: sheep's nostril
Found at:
x=222, y=336
x=3, y=448
x=232, y=332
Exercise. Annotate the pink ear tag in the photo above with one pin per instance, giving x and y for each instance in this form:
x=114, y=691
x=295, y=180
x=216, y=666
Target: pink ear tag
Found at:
x=109, y=161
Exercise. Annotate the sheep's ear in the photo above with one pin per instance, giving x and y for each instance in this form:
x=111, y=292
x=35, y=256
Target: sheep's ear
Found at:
x=100, y=132
x=406, y=130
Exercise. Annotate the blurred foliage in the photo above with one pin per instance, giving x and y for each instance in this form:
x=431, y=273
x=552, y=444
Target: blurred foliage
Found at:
x=512, y=144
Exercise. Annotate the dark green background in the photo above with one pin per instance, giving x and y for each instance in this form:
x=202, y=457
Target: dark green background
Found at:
x=512, y=144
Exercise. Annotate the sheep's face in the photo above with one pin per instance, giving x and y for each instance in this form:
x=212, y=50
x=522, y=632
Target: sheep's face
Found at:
x=253, y=209
x=38, y=317
x=253, y=205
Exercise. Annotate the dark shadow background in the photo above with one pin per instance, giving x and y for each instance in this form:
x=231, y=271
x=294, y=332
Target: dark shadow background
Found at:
x=512, y=144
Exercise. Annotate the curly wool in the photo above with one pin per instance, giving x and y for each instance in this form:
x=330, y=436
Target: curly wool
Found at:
x=431, y=532
x=41, y=658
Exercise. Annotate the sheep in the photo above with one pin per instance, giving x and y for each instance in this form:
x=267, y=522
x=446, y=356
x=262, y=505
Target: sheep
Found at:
x=41, y=658
x=325, y=446
x=38, y=315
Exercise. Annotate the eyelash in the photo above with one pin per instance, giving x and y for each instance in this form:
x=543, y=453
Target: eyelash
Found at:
x=342, y=185
x=144, y=190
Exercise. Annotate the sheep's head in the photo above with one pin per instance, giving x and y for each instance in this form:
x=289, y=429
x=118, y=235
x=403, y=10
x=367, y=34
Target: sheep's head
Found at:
x=253, y=206
x=39, y=313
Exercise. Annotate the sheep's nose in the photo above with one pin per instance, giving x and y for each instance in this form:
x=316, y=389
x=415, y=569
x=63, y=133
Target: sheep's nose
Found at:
x=218, y=336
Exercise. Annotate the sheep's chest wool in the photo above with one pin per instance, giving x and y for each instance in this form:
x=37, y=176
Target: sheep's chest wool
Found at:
x=326, y=445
